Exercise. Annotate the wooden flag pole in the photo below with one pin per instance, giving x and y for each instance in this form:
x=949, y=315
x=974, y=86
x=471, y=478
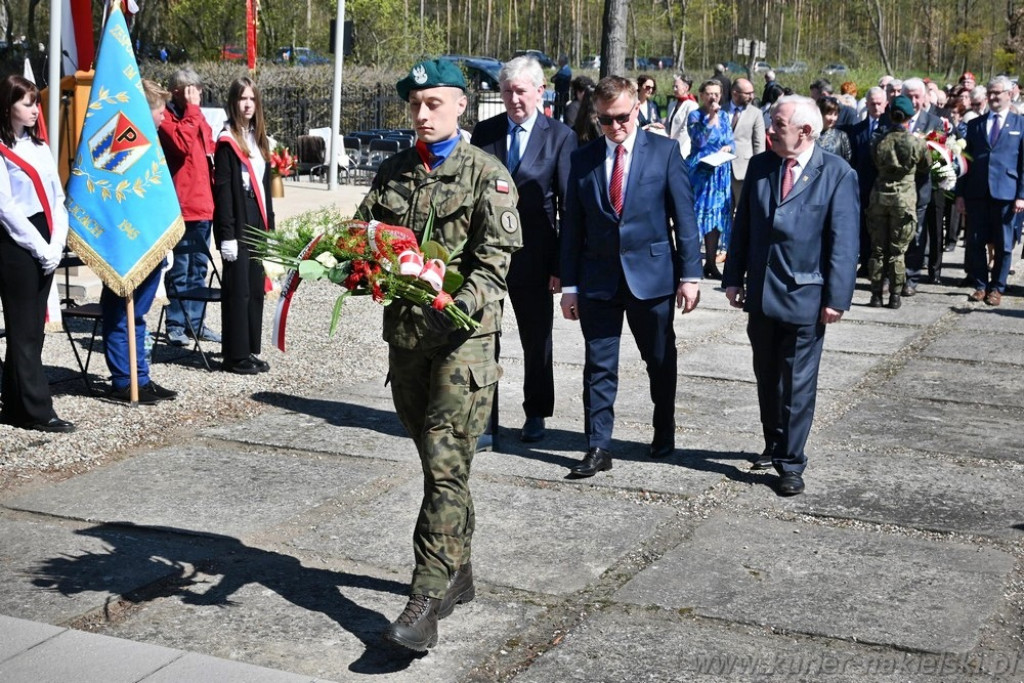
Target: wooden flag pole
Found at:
x=129, y=304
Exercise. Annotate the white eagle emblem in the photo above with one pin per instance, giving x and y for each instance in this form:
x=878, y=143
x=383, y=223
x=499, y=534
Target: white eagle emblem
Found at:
x=419, y=75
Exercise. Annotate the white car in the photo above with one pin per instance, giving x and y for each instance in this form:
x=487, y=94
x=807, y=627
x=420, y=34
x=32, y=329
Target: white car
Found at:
x=591, y=62
x=762, y=67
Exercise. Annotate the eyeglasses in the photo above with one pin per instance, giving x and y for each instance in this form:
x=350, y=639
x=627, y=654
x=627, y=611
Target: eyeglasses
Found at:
x=649, y=87
x=621, y=119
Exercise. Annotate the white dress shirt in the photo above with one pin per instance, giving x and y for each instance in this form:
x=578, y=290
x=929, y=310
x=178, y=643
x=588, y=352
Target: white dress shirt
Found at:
x=524, y=134
x=19, y=201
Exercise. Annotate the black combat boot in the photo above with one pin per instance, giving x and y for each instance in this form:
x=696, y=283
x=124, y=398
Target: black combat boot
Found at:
x=876, y=299
x=416, y=627
x=460, y=590
x=894, y=301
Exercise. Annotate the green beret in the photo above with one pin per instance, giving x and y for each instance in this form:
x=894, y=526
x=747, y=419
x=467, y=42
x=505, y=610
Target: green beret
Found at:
x=431, y=73
x=902, y=103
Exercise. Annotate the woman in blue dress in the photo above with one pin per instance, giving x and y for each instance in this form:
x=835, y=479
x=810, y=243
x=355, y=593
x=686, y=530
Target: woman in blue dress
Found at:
x=711, y=132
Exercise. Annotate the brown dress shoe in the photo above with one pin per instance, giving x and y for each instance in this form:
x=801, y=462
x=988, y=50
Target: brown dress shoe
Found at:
x=977, y=295
x=994, y=298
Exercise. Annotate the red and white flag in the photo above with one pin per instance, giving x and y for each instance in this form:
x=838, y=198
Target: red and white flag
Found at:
x=79, y=46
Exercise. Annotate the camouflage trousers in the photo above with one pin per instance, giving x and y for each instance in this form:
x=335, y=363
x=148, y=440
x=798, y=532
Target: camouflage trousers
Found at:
x=891, y=227
x=443, y=397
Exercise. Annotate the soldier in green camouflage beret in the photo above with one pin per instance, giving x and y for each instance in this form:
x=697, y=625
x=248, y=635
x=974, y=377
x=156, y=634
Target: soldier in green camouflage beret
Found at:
x=892, y=211
x=443, y=380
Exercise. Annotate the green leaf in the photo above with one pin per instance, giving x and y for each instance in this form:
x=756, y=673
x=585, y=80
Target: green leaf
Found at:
x=428, y=229
x=311, y=270
x=338, y=273
x=336, y=314
x=452, y=280
x=432, y=250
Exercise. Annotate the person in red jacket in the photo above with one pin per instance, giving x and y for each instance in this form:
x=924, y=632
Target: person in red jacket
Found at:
x=188, y=144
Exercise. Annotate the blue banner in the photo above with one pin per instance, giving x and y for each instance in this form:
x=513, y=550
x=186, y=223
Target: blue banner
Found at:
x=122, y=208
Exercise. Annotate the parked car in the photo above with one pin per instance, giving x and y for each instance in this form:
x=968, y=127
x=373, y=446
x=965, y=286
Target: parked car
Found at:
x=664, y=62
x=641, y=64
x=762, y=67
x=536, y=54
x=232, y=53
x=834, y=70
x=792, y=68
x=737, y=69
x=481, y=72
x=591, y=62
x=299, y=56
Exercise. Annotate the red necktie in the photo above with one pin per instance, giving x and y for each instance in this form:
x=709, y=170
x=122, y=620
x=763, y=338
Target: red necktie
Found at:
x=787, y=177
x=615, y=190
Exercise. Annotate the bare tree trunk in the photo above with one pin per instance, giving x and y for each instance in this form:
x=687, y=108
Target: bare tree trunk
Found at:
x=487, y=28
x=875, y=15
x=613, y=38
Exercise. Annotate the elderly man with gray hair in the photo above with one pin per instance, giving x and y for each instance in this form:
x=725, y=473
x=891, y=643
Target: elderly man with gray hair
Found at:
x=991, y=194
x=792, y=267
x=535, y=149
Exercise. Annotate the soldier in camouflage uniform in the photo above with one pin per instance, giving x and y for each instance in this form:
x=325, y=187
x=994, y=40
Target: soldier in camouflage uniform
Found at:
x=442, y=379
x=892, y=211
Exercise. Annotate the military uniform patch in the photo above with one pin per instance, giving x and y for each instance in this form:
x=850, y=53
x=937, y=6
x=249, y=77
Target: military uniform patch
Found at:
x=501, y=186
x=510, y=221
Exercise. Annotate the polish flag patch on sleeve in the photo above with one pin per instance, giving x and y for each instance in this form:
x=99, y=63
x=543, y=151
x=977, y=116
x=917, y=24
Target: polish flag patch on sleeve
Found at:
x=501, y=186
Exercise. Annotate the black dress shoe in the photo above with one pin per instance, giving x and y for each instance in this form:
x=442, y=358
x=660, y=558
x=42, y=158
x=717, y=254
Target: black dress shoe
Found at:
x=54, y=424
x=908, y=289
x=416, y=627
x=242, y=367
x=261, y=365
x=161, y=393
x=533, y=430
x=460, y=590
x=124, y=395
x=596, y=460
x=763, y=461
x=663, y=445
x=790, y=484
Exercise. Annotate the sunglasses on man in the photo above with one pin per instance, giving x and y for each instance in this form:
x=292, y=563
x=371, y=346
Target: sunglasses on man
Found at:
x=621, y=119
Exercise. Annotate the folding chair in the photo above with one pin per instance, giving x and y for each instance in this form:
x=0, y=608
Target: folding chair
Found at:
x=341, y=157
x=210, y=293
x=72, y=310
x=380, y=149
x=312, y=153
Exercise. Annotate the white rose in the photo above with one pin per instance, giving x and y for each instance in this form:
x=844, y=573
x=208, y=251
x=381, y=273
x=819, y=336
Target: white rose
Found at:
x=327, y=260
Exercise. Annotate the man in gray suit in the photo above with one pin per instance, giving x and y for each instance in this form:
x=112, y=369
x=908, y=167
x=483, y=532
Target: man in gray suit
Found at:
x=747, y=132
x=792, y=267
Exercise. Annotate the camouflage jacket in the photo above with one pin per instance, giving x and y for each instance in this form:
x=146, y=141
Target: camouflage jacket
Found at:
x=899, y=156
x=474, y=203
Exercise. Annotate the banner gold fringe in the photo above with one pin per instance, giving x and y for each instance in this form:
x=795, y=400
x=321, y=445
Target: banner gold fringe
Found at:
x=123, y=286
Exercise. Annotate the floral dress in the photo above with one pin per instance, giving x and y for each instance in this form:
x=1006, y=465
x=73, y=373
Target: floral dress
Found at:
x=712, y=186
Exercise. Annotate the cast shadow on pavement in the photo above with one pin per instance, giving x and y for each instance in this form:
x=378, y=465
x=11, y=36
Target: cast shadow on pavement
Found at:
x=205, y=570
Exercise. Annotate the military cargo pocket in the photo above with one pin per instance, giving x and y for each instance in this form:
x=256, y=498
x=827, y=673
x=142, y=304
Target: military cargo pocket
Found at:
x=484, y=376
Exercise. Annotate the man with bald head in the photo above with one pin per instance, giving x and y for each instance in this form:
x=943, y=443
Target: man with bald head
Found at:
x=792, y=267
x=443, y=379
x=747, y=131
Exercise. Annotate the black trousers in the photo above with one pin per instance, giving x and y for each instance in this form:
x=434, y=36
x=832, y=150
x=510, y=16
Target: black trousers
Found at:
x=533, y=307
x=23, y=291
x=241, y=309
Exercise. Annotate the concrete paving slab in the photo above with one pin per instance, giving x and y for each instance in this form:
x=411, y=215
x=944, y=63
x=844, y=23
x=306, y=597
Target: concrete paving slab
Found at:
x=938, y=427
x=21, y=635
x=734, y=362
x=52, y=572
x=86, y=658
x=512, y=544
x=193, y=667
x=893, y=590
x=973, y=345
x=909, y=490
x=628, y=644
x=1002, y=319
x=915, y=316
x=855, y=337
x=201, y=489
x=332, y=633
x=945, y=380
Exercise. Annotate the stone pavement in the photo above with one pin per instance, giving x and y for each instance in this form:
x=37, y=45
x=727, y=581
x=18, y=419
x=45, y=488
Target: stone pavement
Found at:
x=277, y=549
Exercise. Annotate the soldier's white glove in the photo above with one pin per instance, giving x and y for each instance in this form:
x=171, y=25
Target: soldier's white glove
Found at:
x=229, y=250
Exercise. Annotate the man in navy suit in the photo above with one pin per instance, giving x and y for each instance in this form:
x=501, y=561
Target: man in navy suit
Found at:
x=630, y=247
x=795, y=241
x=535, y=149
x=992, y=192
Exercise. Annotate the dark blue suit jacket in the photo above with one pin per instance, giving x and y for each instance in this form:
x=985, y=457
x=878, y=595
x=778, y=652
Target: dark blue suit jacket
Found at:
x=994, y=172
x=655, y=244
x=541, y=179
x=860, y=144
x=797, y=254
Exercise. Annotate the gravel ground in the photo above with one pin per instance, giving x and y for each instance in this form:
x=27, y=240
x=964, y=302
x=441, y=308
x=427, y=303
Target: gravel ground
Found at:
x=107, y=429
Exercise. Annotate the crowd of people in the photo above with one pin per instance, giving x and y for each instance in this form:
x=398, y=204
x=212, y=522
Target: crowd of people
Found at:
x=620, y=209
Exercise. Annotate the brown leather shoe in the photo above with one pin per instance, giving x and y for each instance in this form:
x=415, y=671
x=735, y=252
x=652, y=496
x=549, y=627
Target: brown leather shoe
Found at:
x=994, y=298
x=977, y=296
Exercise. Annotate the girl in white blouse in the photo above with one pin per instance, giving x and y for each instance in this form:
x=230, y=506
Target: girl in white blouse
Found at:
x=33, y=229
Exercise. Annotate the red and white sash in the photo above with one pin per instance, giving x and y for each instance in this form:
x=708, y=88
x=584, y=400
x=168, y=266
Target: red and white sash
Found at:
x=255, y=183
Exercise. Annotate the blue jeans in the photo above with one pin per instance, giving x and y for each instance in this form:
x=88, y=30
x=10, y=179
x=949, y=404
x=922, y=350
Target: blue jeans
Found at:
x=188, y=272
x=115, y=331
